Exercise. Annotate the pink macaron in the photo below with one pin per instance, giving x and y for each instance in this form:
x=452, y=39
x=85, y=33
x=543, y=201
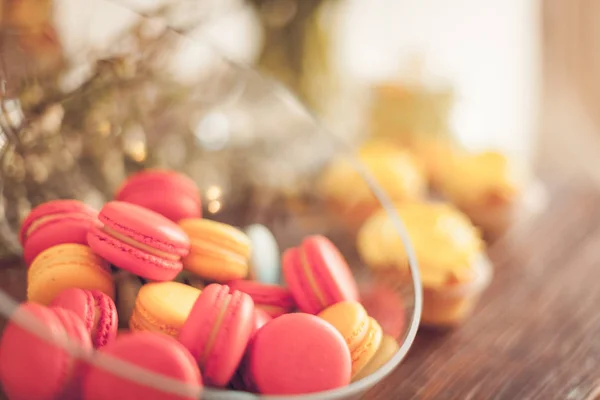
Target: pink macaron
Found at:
x=386, y=306
x=275, y=300
x=169, y=193
x=297, y=354
x=34, y=367
x=96, y=309
x=152, y=356
x=261, y=318
x=55, y=222
x=140, y=241
x=217, y=331
x=317, y=275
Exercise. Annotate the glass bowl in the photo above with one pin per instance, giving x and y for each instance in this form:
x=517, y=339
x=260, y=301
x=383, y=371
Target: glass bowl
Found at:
x=252, y=147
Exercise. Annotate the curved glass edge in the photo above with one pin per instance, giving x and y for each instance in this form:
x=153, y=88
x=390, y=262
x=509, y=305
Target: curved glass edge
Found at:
x=10, y=307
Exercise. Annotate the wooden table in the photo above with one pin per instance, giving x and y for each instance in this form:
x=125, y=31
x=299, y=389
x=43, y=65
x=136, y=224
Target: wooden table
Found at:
x=535, y=333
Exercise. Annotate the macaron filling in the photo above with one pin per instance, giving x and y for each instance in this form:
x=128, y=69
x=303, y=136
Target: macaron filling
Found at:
x=138, y=245
x=364, y=345
x=42, y=220
x=310, y=278
x=213, y=334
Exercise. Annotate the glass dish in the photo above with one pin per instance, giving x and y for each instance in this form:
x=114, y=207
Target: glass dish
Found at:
x=251, y=146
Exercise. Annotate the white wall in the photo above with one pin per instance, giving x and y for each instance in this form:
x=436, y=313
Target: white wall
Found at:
x=487, y=49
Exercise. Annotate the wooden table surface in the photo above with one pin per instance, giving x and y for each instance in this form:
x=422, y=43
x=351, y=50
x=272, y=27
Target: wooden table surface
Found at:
x=535, y=333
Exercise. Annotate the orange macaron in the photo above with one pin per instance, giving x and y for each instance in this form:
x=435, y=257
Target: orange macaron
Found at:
x=163, y=307
x=219, y=252
x=362, y=333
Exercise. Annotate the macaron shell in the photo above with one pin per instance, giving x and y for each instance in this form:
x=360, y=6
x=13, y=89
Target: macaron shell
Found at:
x=330, y=269
x=219, y=252
x=132, y=259
x=106, y=321
x=145, y=226
x=273, y=299
x=297, y=354
x=386, y=305
x=387, y=349
x=67, y=229
x=158, y=178
x=154, y=352
x=364, y=352
x=265, y=261
x=163, y=307
x=229, y=335
x=353, y=323
x=261, y=318
x=67, y=266
x=296, y=280
x=54, y=207
x=231, y=340
x=80, y=301
x=77, y=333
x=167, y=202
x=25, y=356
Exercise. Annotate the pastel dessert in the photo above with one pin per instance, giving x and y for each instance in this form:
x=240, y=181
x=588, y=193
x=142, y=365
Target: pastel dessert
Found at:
x=317, y=275
x=169, y=193
x=33, y=367
x=261, y=318
x=275, y=300
x=219, y=252
x=217, y=331
x=163, y=307
x=387, y=349
x=77, y=334
x=265, y=261
x=384, y=303
x=450, y=255
x=486, y=186
x=67, y=266
x=96, y=310
x=127, y=287
x=140, y=241
x=395, y=169
x=361, y=332
x=53, y=223
x=297, y=354
x=162, y=369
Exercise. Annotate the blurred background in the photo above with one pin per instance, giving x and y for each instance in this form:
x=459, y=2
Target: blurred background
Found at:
x=483, y=90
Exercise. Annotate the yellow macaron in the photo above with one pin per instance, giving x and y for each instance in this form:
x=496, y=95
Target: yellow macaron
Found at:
x=67, y=266
x=219, y=252
x=386, y=351
x=362, y=333
x=163, y=307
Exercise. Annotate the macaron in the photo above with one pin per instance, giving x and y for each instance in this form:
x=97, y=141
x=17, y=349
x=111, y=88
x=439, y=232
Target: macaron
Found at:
x=261, y=318
x=265, y=260
x=139, y=240
x=388, y=347
x=317, y=275
x=55, y=222
x=163, y=307
x=275, y=300
x=297, y=354
x=168, y=193
x=217, y=331
x=36, y=367
x=385, y=304
x=96, y=310
x=67, y=266
x=219, y=252
x=361, y=332
x=153, y=358
x=127, y=287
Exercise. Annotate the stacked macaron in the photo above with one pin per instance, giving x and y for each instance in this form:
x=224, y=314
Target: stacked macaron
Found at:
x=187, y=301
